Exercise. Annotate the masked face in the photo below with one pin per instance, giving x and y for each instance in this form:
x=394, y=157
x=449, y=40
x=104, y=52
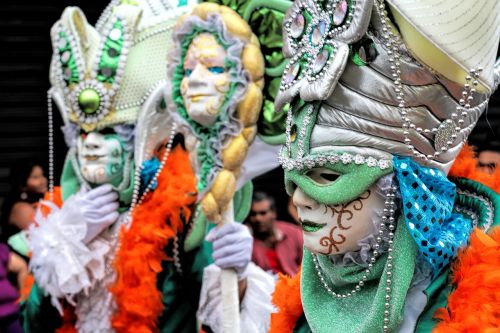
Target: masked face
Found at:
x=101, y=158
x=335, y=229
x=206, y=80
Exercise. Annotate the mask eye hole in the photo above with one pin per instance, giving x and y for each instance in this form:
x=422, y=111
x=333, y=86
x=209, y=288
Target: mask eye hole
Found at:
x=107, y=130
x=323, y=176
x=329, y=176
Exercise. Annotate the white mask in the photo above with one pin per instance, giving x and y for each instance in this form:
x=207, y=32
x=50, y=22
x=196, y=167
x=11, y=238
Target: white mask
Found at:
x=100, y=157
x=206, y=81
x=337, y=229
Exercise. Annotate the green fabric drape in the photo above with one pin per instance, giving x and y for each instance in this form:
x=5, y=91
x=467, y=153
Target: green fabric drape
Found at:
x=364, y=311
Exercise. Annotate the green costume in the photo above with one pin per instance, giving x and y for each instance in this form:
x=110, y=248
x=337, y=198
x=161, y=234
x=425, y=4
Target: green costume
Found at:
x=363, y=104
x=374, y=124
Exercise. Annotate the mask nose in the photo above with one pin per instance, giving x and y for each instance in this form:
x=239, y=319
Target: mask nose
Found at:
x=302, y=201
x=92, y=141
x=197, y=76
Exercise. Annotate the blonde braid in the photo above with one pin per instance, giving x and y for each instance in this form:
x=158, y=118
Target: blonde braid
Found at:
x=223, y=187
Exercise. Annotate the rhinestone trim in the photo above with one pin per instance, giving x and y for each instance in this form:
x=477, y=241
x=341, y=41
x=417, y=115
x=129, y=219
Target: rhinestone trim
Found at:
x=469, y=213
x=312, y=161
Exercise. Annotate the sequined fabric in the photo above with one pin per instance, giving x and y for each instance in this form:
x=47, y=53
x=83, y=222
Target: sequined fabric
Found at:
x=427, y=199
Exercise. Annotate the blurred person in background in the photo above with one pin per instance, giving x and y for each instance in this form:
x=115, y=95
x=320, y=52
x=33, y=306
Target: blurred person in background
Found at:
x=277, y=246
x=10, y=263
x=28, y=185
x=489, y=160
x=486, y=136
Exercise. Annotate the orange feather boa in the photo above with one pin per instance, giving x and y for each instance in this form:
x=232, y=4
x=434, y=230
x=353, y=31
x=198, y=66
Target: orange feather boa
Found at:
x=474, y=304
x=138, y=260
x=287, y=299
x=156, y=222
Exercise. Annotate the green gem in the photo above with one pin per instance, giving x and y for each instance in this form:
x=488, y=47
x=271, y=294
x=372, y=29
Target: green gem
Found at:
x=89, y=100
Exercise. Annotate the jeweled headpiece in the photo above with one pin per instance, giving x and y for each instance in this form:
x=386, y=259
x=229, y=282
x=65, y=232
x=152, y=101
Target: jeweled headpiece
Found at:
x=106, y=76
x=366, y=95
x=103, y=75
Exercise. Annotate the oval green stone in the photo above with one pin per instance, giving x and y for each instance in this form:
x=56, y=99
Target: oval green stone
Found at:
x=89, y=100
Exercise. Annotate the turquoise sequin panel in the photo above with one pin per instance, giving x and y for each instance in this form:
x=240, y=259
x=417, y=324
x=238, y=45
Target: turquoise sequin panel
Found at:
x=148, y=172
x=427, y=198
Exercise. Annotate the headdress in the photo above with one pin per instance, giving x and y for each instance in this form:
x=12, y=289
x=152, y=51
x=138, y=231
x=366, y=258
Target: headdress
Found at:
x=376, y=99
x=104, y=76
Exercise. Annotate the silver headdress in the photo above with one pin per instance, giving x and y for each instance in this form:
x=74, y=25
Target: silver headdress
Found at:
x=367, y=97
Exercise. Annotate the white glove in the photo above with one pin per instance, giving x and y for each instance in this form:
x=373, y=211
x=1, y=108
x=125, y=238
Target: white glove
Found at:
x=97, y=207
x=232, y=247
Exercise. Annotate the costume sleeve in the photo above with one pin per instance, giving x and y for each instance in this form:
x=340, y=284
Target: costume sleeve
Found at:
x=256, y=306
x=61, y=263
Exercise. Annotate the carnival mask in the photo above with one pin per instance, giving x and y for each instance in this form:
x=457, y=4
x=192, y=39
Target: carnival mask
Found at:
x=335, y=228
x=214, y=83
x=206, y=80
x=101, y=158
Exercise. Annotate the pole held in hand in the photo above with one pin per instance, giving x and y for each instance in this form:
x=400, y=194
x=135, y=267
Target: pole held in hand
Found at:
x=229, y=288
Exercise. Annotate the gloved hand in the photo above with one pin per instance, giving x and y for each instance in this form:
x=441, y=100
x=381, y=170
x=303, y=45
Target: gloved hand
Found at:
x=98, y=208
x=232, y=247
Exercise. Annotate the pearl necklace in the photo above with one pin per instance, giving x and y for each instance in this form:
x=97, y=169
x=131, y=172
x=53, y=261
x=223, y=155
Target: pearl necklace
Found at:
x=175, y=250
x=136, y=201
x=50, y=122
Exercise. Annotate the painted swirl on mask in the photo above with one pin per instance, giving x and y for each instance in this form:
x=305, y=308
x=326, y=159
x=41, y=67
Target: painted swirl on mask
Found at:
x=330, y=242
x=343, y=215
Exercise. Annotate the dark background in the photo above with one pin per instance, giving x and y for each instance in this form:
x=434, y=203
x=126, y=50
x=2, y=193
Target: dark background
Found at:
x=25, y=52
